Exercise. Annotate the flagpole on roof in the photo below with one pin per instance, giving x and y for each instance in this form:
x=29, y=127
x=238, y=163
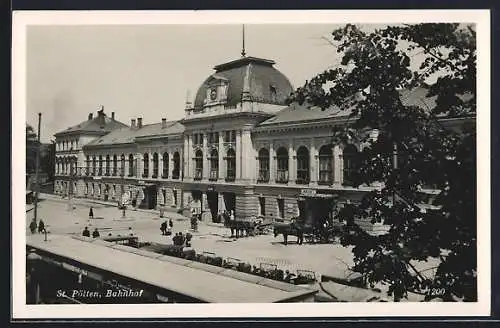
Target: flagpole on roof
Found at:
x=243, y=53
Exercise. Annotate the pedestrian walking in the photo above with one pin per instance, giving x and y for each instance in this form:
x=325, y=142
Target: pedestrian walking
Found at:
x=96, y=234
x=41, y=226
x=33, y=226
x=170, y=223
x=86, y=232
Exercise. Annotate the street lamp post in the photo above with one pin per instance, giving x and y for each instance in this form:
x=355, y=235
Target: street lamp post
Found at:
x=37, y=167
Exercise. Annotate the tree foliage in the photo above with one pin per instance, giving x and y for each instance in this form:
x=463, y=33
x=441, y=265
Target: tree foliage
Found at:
x=379, y=71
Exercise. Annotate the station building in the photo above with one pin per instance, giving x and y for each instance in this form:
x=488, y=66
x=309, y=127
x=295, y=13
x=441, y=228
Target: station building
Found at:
x=239, y=147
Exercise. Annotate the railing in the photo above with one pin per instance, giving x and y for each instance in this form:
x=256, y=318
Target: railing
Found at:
x=263, y=176
x=99, y=172
x=282, y=176
x=115, y=171
x=155, y=174
x=165, y=174
x=175, y=174
x=198, y=174
x=302, y=177
x=230, y=175
x=145, y=174
x=214, y=175
x=325, y=178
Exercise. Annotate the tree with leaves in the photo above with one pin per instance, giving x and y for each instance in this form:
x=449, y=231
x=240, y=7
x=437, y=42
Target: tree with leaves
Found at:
x=379, y=71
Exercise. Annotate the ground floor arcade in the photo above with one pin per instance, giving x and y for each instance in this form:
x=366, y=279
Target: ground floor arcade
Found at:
x=270, y=203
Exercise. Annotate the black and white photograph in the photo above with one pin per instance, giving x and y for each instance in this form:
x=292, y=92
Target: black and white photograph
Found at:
x=246, y=158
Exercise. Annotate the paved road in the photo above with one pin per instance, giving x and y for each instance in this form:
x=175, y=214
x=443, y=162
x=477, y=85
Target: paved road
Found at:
x=323, y=259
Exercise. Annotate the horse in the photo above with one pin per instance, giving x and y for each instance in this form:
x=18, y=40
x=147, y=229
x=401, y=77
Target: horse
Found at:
x=294, y=228
x=240, y=228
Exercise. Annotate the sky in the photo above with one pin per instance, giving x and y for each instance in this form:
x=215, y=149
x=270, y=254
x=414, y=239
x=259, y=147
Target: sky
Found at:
x=148, y=70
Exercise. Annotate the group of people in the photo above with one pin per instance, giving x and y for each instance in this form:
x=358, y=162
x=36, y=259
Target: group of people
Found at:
x=182, y=240
x=34, y=226
x=86, y=233
x=166, y=227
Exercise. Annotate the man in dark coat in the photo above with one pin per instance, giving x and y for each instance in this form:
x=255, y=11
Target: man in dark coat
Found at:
x=86, y=232
x=170, y=223
x=91, y=213
x=163, y=228
x=95, y=234
x=33, y=226
x=41, y=226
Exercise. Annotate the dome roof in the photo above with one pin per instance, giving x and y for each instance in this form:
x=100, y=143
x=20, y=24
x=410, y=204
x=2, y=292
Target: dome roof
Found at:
x=256, y=77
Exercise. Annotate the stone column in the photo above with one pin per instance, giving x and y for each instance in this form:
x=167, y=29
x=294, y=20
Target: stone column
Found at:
x=313, y=162
x=341, y=166
x=248, y=155
x=246, y=205
x=160, y=164
x=188, y=159
x=205, y=158
x=204, y=202
x=221, y=204
x=292, y=171
x=337, y=173
x=272, y=162
x=239, y=157
x=222, y=154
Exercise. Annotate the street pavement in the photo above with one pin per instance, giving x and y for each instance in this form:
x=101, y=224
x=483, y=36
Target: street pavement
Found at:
x=62, y=218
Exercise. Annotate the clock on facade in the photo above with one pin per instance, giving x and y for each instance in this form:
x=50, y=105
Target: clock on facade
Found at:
x=213, y=94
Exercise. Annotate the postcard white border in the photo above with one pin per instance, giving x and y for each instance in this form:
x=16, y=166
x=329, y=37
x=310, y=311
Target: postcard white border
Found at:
x=22, y=19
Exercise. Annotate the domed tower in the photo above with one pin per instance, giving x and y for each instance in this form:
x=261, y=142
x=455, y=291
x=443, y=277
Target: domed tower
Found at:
x=248, y=84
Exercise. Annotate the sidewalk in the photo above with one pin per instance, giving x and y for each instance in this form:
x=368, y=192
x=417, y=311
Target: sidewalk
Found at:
x=105, y=203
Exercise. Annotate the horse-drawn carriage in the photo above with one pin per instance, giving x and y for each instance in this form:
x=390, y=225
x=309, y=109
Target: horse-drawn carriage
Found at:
x=312, y=234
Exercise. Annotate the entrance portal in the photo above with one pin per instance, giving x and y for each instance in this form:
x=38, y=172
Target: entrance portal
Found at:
x=317, y=210
x=213, y=205
x=229, y=201
x=150, y=197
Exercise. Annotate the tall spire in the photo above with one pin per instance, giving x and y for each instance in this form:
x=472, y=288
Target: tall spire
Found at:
x=243, y=53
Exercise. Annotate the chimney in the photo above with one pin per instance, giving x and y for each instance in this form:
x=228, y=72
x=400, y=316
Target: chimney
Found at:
x=132, y=123
x=91, y=116
x=139, y=122
x=113, y=116
x=163, y=123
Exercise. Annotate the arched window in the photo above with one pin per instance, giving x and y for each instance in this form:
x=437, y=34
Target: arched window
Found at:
x=177, y=166
x=145, y=159
x=122, y=165
x=231, y=165
x=282, y=165
x=131, y=165
x=303, y=165
x=94, y=168
x=155, y=166
x=349, y=155
x=115, y=165
x=214, y=165
x=198, y=165
x=165, y=166
x=108, y=164
x=325, y=165
x=100, y=165
x=263, y=165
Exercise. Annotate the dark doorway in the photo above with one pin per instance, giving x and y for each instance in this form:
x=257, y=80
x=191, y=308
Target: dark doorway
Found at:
x=302, y=208
x=150, y=197
x=318, y=210
x=213, y=204
x=230, y=201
